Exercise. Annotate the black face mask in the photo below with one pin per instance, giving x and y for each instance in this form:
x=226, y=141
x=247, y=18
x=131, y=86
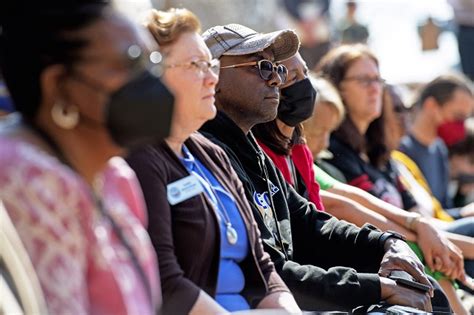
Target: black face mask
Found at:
x=140, y=112
x=136, y=114
x=297, y=103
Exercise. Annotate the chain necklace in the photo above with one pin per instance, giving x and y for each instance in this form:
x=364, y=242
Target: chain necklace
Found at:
x=230, y=232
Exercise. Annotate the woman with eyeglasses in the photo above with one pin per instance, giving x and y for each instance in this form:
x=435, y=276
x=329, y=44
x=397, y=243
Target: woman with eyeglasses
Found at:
x=361, y=145
x=358, y=144
x=289, y=146
x=202, y=228
x=71, y=70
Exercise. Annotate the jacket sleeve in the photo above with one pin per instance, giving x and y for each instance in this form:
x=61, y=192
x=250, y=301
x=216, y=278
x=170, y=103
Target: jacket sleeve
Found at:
x=328, y=252
x=273, y=280
x=179, y=293
x=347, y=244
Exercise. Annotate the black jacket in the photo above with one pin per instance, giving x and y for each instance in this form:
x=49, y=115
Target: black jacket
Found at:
x=385, y=184
x=316, y=244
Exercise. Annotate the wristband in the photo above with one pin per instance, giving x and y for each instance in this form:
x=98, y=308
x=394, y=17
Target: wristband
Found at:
x=391, y=234
x=411, y=221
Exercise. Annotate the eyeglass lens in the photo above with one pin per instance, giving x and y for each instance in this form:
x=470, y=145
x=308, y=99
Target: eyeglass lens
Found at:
x=267, y=68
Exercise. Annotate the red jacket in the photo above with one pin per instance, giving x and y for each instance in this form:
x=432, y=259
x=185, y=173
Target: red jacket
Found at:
x=303, y=161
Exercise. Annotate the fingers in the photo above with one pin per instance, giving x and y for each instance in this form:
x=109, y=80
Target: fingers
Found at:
x=438, y=263
x=456, y=250
x=424, y=302
x=430, y=260
x=410, y=297
x=416, y=271
x=468, y=282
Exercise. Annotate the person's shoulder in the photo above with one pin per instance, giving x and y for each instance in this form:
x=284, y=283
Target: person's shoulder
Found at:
x=215, y=149
x=27, y=161
x=407, y=143
x=339, y=149
x=441, y=145
x=149, y=157
x=216, y=142
x=205, y=143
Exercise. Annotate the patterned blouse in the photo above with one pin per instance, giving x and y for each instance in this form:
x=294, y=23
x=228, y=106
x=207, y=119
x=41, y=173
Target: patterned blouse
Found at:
x=82, y=265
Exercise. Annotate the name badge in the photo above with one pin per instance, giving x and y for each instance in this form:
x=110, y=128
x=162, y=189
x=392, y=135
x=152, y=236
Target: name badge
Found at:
x=183, y=189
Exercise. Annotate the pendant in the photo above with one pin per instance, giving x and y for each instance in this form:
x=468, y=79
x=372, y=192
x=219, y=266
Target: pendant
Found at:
x=231, y=234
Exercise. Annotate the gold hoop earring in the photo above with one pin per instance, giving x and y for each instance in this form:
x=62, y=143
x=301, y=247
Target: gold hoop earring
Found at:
x=66, y=117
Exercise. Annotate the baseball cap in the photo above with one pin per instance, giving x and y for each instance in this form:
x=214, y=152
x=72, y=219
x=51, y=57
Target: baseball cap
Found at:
x=236, y=39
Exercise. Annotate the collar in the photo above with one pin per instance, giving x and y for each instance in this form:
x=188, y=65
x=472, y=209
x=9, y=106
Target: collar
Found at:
x=187, y=159
x=225, y=130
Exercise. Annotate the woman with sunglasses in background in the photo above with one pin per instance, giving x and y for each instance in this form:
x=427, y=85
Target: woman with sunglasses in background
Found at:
x=78, y=212
x=211, y=257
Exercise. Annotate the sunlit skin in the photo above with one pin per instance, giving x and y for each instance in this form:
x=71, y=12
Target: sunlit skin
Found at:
x=297, y=71
x=425, y=126
x=243, y=95
x=459, y=107
x=363, y=103
x=318, y=129
x=193, y=89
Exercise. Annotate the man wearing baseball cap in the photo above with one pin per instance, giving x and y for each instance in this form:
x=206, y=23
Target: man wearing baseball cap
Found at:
x=307, y=246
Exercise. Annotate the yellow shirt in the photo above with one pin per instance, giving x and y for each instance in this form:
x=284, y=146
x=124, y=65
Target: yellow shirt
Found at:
x=416, y=174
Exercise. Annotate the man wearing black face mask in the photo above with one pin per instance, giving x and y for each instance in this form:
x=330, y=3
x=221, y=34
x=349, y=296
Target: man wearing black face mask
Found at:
x=308, y=247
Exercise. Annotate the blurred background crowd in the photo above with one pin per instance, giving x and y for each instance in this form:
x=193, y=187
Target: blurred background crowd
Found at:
x=300, y=156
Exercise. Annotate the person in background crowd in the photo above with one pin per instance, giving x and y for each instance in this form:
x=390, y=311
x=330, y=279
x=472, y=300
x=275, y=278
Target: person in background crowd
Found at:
x=329, y=112
x=309, y=248
x=426, y=204
x=351, y=31
x=193, y=193
x=357, y=146
x=74, y=73
x=461, y=162
x=283, y=140
x=429, y=206
x=312, y=21
x=360, y=146
x=445, y=99
x=464, y=18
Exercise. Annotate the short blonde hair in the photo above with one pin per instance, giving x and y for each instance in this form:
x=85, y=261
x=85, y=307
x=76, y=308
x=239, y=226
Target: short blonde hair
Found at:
x=167, y=26
x=328, y=94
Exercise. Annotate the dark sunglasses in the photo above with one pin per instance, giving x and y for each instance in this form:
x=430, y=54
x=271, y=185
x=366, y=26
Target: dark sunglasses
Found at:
x=266, y=69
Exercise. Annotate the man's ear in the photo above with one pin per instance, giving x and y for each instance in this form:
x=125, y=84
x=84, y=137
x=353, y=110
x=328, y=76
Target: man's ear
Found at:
x=430, y=104
x=433, y=109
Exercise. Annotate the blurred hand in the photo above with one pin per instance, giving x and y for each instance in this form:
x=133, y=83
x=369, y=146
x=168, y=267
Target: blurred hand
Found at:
x=440, y=253
x=399, y=256
x=398, y=295
x=281, y=301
